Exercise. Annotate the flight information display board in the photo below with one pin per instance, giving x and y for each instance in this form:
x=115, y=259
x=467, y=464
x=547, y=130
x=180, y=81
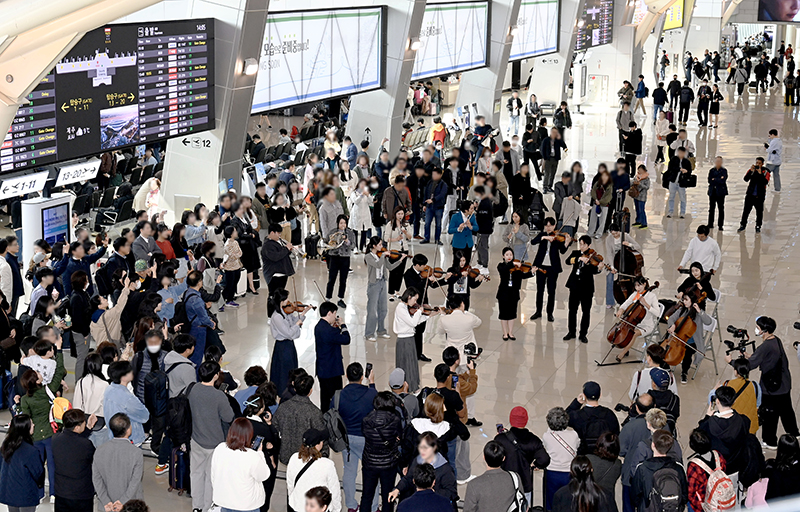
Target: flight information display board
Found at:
x=121, y=85
x=595, y=26
x=537, y=29
x=315, y=55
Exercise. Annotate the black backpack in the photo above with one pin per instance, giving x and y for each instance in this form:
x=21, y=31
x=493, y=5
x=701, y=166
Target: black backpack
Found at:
x=27, y=324
x=156, y=389
x=179, y=417
x=103, y=281
x=594, y=430
x=665, y=496
x=181, y=317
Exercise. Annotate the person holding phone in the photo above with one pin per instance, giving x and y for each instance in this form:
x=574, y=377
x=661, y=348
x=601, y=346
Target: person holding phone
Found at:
x=266, y=440
x=757, y=178
x=238, y=471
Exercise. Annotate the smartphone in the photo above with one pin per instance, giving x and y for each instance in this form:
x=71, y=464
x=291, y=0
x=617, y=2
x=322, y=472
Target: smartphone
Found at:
x=714, y=401
x=455, y=380
x=368, y=371
x=223, y=387
x=257, y=440
x=500, y=428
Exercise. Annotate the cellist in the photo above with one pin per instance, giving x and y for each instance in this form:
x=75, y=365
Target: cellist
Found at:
x=649, y=300
x=611, y=246
x=689, y=307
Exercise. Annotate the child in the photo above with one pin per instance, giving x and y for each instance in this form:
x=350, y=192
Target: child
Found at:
x=170, y=292
x=232, y=265
x=642, y=183
x=42, y=361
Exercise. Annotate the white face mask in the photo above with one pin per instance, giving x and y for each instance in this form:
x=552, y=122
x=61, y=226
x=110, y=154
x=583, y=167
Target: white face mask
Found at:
x=153, y=349
x=757, y=331
x=138, y=284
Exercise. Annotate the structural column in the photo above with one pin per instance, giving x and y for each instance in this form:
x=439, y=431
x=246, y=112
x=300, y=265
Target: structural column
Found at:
x=484, y=86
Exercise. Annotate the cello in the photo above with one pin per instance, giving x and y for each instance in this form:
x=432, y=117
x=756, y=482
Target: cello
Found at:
x=675, y=343
x=624, y=331
x=628, y=262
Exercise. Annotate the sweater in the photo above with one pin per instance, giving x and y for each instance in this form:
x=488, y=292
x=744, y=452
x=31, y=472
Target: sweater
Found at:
x=490, y=492
x=706, y=252
x=237, y=478
x=560, y=457
x=72, y=460
x=211, y=415
x=117, y=472
x=293, y=417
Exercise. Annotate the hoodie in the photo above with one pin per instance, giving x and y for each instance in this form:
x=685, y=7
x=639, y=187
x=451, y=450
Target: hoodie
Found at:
x=728, y=436
x=355, y=402
x=445, y=484
x=182, y=375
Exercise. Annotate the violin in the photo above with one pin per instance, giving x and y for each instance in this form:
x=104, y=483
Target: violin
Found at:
x=436, y=272
x=621, y=335
x=674, y=343
x=525, y=267
x=394, y=254
x=595, y=259
x=428, y=310
x=558, y=236
x=297, y=307
x=474, y=273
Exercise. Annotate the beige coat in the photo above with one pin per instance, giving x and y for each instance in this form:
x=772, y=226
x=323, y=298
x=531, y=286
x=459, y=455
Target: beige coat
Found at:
x=109, y=322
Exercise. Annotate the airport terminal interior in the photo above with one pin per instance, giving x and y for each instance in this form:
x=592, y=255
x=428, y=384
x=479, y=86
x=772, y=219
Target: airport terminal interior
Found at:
x=148, y=119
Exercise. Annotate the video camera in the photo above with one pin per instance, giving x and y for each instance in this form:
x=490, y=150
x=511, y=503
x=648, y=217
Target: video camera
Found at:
x=472, y=352
x=744, y=340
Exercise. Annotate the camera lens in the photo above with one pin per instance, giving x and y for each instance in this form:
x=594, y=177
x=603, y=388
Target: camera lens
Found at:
x=797, y=325
x=732, y=329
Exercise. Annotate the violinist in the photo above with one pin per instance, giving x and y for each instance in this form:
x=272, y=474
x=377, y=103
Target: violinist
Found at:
x=548, y=258
x=508, y=292
x=611, y=246
x=581, y=288
x=459, y=326
x=699, y=278
x=406, y=321
x=649, y=300
x=377, y=269
x=339, y=260
x=285, y=329
x=463, y=225
x=689, y=307
x=413, y=279
x=460, y=282
x=396, y=236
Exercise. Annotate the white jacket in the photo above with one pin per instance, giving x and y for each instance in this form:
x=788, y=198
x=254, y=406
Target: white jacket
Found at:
x=6, y=280
x=360, y=216
x=459, y=328
x=775, y=152
x=321, y=473
x=237, y=478
x=662, y=129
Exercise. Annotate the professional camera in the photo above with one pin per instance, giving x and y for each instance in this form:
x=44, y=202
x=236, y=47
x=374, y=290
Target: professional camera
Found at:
x=472, y=352
x=796, y=326
x=744, y=341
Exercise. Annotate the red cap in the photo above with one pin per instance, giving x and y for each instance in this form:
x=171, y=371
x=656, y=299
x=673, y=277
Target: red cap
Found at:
x=518, y=417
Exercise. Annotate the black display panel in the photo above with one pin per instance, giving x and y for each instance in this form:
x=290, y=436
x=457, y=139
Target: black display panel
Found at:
x=121, y=85
x=595, y=26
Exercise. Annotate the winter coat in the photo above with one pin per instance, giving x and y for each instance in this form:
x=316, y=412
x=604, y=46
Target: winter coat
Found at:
x=381, y=430
x=444, y=484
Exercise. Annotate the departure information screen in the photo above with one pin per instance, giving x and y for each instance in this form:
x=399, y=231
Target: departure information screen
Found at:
x=595, y=26
x=121, y=85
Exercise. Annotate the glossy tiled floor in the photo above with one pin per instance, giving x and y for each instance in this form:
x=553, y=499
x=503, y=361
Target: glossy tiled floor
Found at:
x=758, y=276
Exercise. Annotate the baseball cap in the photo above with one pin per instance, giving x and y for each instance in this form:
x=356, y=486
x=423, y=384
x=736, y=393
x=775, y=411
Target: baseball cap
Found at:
x=312, y=437
x=660, y=377
x=397, y=378
x=591, y=390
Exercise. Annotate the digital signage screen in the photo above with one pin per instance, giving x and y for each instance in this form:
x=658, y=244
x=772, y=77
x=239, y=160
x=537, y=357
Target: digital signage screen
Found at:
x=314, y=55
x=596, y=24
x=537, y=29
x=55, y=224
x=121, y=85
x=454, y=38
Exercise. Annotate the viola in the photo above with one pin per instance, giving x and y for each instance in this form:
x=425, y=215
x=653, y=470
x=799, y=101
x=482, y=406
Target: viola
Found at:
x=297, y=307
x=674, y=343
x=436, y=272
x=624, y=331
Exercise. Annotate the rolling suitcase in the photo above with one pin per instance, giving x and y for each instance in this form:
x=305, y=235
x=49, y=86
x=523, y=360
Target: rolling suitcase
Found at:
x=311, y=243
x=179, y=471
x=670, y=115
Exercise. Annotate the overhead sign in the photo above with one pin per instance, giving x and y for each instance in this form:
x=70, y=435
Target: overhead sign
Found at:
x=454, y=38
x=315, y=55
x=537, y=29
x=673, y=18
x=77, y=172
x=121, y=85
x=21, y=185
x=595, y=26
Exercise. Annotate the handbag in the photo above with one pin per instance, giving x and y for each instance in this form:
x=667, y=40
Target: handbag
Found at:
x=634, y=191
x=687, y=180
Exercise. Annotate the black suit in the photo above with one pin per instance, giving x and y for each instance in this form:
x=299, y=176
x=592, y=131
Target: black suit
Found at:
x=414, y=280
x=581, y=291
x=553, y=268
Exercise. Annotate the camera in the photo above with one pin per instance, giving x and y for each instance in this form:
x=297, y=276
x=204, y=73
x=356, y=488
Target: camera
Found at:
x=472, y=352
x=744, y=340
x=737, y=333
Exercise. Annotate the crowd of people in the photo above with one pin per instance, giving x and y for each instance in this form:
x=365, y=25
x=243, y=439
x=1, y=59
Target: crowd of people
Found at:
x=142, y=314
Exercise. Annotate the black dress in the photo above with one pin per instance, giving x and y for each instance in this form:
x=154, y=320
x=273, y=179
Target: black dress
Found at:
x=249, y=242
x=715, y=99
x=508, y=290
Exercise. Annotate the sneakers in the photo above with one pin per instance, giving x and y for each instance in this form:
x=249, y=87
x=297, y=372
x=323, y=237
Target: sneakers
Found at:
x=372, y=338
x=221, y=309
x=386, y=335
x=767, y=446
x=232, y=304
x=472, y=422
x=684, y=378
x=161, y=469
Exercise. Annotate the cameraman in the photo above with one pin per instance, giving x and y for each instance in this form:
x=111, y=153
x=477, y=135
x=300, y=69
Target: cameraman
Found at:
x=758, y=178
x=776, y=383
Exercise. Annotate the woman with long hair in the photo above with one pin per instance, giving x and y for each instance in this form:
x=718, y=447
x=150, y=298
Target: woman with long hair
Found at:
x=460, y=282
x=358, y=203
x=163, y=234
x=88, y=396
x=248, y=242
x=784, y=470
x=347, y=178
x=232, y=265
x=45, y=314
x=195, y=231
x=406, y=319
x=606, y=463
x=321, y=471
x=339, y=259
x=601, y=197
x=238, y=471
x=295, y=196
x=582, y=494
x=257, y=413
x=81, y=318
x=688, y=307
x=508, y=291
x=285, y=328
x=397, y=237
x=181, y=249
x=282, y=213
x=517, y=235
x=21, y=468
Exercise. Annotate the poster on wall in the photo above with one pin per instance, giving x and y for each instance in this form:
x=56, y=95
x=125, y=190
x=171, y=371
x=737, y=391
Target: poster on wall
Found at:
x=778, y=10
x=595, y=26
x=673, y=18
x=537, y=29
x=315, y=55
x=454, y=38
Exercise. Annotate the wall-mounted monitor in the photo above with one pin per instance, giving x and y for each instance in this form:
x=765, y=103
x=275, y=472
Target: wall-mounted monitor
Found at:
x=454, y=38
x=537, y=29
x=120, y=85
x=778, y=11
x=55, y=224
x=596, y=24
x=673, y=18
x=308, y=56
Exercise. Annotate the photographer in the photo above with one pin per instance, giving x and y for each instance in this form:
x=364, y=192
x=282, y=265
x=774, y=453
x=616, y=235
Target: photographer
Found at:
x=758, y=179
x=748, y=392
x=776, y=383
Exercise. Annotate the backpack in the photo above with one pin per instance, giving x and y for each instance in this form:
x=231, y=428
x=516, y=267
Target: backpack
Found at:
x=27, y=324
x=179, y=417
x=103, y=281
x=334, y=424
x=646, y=92
x=720, y=493
x=594, y=430
x=181, y=317
x=520, y=504
x=58, y=406
x=754, y=457
x=665, y=496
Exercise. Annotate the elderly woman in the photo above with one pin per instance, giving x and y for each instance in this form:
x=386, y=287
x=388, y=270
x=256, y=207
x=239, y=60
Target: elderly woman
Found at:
x=561, y=444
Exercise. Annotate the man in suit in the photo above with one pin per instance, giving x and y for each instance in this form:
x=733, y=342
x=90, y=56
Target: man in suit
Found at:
x=677, y=166
x=551, y=154
x=330, y=334
x=703, y=101
x=435, y=197
x=145, y=245
x=413, y=279
x=581, y=289
x=548, y=258
x=117, y=467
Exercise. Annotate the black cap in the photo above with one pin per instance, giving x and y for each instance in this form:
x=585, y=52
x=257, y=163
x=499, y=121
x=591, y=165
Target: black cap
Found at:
x=312, y=437
x=591, y=390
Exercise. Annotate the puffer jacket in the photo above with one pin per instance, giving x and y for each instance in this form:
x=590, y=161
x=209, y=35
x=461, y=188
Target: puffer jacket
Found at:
x=382, y=429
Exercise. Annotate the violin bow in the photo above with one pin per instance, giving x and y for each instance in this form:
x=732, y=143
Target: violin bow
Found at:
x=320, y=291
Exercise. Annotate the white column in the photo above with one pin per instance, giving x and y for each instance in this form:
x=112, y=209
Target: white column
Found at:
x=614, y=60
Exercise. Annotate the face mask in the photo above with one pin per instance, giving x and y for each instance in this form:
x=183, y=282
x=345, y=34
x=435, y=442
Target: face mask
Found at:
x=153, y=349
x=138, y=284
x=373, y=185
x=757, y=331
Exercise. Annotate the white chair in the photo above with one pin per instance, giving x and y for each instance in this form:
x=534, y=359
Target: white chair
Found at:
x=713, y=310
x=708, y=346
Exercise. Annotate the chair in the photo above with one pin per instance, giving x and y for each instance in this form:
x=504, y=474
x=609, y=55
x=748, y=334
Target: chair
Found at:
x=713, y=306
x=299, y=158
x=108, y=197
x=131, y=166
x=125, y=212
x=708, y=346
x=96, y=196
x=147, y=173
x=136, y=176
x=159, y=167
x=79, y=206
x=262, y=154
x=643, y=341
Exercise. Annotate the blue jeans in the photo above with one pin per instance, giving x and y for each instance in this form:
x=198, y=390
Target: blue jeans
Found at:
x=675, y=190
x=641, y=216
x=432, y=213
x=776, y=177
x=351, y=459
x=656, y=110
x=513, y=126
x=610, y=289
x=45, y=447
x=451, y=454
x=627, y=506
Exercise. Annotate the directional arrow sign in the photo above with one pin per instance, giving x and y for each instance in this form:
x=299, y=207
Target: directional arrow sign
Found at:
x=185, y=142
x=64, y=107
x=133, y=96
